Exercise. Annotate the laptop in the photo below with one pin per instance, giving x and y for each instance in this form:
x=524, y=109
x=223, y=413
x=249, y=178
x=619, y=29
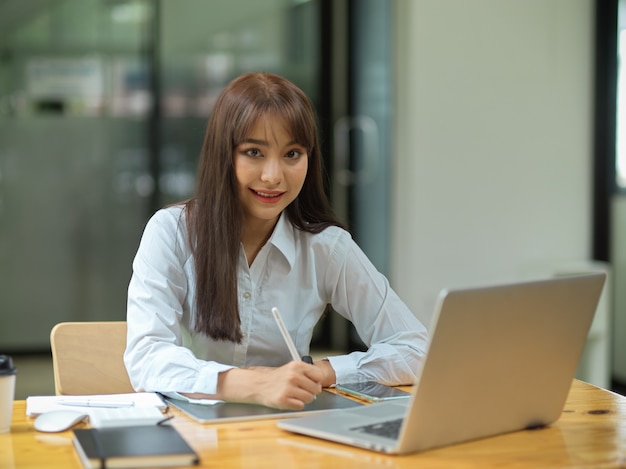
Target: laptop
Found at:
x=501, y=359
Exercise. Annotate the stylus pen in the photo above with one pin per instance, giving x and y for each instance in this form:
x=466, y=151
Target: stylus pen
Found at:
x=290, y=345
x=96, y=403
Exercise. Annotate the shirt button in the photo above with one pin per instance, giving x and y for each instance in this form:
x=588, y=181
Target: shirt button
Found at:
x=246, y=296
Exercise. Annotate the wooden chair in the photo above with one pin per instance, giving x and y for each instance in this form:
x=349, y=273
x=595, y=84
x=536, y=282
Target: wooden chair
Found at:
x=87, y=358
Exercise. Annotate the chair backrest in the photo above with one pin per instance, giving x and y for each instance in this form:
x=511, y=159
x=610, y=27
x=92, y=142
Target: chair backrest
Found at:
x=87, y=358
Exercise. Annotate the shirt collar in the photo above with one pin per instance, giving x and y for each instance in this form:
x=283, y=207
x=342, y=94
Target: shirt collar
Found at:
x=284, y=238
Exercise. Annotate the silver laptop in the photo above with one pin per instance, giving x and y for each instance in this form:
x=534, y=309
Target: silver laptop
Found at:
x=501, y=359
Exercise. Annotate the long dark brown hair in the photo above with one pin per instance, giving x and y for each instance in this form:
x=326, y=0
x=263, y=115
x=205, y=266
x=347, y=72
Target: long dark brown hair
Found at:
x=214, y=214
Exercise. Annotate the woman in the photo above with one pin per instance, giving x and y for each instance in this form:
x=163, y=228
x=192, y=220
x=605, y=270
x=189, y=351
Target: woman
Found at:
x=258, y=233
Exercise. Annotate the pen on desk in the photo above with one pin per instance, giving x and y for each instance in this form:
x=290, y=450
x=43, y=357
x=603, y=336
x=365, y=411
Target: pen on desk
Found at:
x=290, y=345
x=97, y=403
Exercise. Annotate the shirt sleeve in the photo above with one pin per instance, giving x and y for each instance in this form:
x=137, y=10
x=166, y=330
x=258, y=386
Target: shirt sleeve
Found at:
x=397, y=341
x=155, y=357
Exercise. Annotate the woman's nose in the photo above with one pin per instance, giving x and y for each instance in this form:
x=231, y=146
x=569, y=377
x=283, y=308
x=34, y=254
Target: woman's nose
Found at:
x=272, y=171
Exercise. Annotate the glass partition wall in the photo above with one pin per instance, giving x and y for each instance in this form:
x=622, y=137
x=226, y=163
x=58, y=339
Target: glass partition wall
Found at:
x=74, y=171
x=103, y=105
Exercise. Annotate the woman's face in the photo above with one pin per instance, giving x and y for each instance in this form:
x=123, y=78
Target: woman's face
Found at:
x=270, y=168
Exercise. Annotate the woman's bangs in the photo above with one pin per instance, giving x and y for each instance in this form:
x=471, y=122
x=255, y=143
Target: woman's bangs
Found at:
x=301, y=130
x=245, y=123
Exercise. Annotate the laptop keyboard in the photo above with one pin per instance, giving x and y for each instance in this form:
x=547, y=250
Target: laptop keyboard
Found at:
x=388, y=429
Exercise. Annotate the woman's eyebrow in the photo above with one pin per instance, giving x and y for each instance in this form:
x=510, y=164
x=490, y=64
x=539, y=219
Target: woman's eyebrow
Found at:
x=256, y=141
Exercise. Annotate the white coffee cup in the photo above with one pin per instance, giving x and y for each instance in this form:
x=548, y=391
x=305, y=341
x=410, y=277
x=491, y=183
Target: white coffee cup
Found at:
x=7, y=392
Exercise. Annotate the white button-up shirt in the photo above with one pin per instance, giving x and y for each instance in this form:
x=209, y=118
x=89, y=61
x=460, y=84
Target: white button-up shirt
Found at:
x=297, y=272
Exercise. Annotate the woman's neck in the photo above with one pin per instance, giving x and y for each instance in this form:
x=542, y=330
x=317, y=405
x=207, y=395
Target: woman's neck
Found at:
x=255, y=235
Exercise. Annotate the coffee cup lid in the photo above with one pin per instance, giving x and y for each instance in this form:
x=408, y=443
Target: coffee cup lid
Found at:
x=6, y=365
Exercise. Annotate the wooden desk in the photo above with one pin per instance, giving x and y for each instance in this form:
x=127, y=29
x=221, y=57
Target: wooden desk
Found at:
x=590, y=433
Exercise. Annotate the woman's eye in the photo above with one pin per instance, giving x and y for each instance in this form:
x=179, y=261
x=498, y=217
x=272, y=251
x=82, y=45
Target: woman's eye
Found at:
x=293, y=154
x=253, y=152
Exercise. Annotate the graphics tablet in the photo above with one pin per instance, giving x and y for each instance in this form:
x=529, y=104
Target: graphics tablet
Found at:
x=232, y=411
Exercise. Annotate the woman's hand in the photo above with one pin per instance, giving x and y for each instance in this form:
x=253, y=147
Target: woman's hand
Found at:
x=328, y=373
x=290, y=386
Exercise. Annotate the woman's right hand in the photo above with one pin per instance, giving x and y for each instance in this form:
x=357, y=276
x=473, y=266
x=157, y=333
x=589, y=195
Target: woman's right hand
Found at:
x=290, y=386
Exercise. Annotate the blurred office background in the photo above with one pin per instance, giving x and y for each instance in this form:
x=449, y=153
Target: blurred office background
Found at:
x=467, y=142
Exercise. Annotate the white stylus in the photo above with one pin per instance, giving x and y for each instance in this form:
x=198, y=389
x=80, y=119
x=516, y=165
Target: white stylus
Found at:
x=290, y=345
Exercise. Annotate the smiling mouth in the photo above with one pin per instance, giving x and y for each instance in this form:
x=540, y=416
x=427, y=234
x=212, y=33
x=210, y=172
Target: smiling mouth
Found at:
x=271, y=197
x=267, y=195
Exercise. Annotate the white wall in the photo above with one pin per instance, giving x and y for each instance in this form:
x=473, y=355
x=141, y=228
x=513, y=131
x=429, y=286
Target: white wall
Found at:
x=493, y=142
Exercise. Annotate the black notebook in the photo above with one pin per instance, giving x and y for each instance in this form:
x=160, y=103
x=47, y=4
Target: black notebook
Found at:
x=130, y=447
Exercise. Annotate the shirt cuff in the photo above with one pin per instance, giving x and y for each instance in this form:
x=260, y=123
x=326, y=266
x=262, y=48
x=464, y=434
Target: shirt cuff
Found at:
x=345, y=369
x=207, y=377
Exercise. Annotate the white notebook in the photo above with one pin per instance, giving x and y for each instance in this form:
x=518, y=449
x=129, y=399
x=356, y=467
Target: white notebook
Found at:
x=36, y=405
x=125, y=417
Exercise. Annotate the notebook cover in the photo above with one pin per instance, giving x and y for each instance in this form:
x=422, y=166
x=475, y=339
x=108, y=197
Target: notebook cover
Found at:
x=138, y=446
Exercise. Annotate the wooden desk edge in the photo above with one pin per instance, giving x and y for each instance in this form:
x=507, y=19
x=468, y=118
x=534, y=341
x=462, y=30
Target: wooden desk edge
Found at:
x=581, y=437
